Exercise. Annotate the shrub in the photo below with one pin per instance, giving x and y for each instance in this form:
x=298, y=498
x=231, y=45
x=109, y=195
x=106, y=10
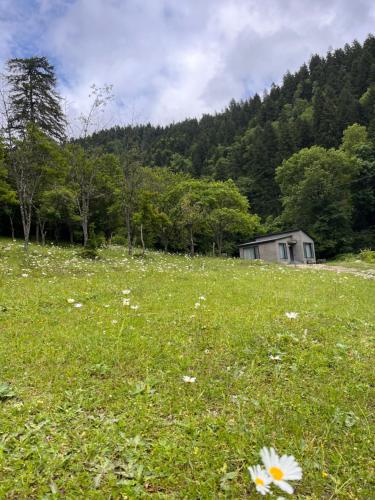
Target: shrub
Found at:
x=367, y=255
x=90, y=251
x=118, y=239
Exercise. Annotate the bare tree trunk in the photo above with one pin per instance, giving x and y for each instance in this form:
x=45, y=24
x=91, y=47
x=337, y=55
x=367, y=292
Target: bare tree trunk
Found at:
x=191, y=242
x=85, y=230
x=220, y=245
x=37, y=231
x=213, y=249
x=43, y=232
x=71, y=237
x=129, y=231
x=11, y=226
x=142, y=241
x=26, y=223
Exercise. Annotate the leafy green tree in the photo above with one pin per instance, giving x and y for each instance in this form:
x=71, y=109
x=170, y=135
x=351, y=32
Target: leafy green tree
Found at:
x=88, y=178
x=354, y=136
x=315, y=187
x=228, y=223
x=34, y=160
x=363, y=196
x=8, y=197
x=57, y=208
x=33, y=97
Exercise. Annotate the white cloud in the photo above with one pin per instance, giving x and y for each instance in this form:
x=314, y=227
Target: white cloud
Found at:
x=169, y=60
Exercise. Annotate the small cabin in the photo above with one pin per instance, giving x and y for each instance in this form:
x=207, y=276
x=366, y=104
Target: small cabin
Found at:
x=288, y=247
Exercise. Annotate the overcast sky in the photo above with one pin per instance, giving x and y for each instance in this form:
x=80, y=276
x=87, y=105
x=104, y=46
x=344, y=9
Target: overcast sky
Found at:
x=172, y=59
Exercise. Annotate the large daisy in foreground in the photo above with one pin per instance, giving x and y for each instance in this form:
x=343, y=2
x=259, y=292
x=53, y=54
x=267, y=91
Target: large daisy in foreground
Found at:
x=281, y=469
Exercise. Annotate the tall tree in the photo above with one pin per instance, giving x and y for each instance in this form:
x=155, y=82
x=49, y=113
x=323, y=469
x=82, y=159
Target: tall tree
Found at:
x=315, y=186
x=33, y=161
x=34, y=98
x=131, y=179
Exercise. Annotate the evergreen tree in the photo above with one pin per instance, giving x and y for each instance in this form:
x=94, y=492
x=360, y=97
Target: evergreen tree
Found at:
x=34, y=98
x=325, y=123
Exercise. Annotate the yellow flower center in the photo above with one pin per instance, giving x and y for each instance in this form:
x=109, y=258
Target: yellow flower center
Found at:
x=259, y=481
x=276, y=473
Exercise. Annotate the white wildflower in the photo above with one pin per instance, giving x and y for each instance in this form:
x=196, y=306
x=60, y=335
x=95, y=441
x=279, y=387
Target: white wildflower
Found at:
x=291, y=315
x=275, y=358
x=281, y=469
x=260, y=478
x=189, y=380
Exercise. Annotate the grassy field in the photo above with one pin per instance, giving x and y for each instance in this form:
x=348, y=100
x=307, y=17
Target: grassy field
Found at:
x=96, y=405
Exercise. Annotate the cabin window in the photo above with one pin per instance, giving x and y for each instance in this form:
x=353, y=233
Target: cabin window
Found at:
x=283, y=252
x=254, y=252
x=308, y=250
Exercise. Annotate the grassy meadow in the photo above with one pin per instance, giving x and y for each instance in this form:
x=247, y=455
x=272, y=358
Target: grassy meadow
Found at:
x=93, y=403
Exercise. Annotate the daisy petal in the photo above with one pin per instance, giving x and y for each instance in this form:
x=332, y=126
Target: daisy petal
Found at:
x=283, y=485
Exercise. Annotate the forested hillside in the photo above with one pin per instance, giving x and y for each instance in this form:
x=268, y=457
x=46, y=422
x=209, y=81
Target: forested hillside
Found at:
x=251, y=138
x=302, y=155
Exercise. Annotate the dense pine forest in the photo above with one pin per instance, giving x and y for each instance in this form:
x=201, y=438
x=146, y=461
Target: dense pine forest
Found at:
x=301, y=155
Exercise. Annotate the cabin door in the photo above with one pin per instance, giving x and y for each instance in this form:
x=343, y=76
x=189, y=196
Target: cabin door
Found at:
x=291, y=253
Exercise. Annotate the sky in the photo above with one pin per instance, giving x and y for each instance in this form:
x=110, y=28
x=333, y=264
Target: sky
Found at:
x=173, y=59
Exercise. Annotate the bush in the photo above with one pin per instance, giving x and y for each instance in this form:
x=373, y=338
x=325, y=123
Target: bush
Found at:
x=367, y=255
x=89, y=253
x=119, y=240
x=345, y=257
x=100, y=240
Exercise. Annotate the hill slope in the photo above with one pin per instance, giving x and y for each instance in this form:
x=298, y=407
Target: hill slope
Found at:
x=250, y=138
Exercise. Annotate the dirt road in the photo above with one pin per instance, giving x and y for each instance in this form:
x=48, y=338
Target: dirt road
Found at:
x=365, y=273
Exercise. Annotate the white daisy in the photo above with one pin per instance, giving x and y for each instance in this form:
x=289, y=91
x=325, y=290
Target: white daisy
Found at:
x=197, y=305
x=135, y=307
x=78, y=305
x=70, y=301
x=275, y=358
x=126, y=302
x=281, y=469
x=260, y=478
x=189, y=380
x=291, y=315
x=202, y=297
x=126, y=292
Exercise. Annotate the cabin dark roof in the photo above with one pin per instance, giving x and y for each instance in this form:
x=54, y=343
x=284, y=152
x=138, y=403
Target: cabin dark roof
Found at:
x=259, y=242
x=272, y=237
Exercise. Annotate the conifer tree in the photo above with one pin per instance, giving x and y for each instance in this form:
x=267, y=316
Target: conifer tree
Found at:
x=33, y=97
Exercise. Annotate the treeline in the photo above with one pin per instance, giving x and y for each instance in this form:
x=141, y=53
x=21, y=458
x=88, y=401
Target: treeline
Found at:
x=59, y=190
x=302, y=155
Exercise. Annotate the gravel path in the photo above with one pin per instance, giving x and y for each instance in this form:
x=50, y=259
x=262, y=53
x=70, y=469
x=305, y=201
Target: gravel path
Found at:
x=368, y=273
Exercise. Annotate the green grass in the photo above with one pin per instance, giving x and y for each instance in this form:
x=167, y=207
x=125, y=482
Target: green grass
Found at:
x=99, y=408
